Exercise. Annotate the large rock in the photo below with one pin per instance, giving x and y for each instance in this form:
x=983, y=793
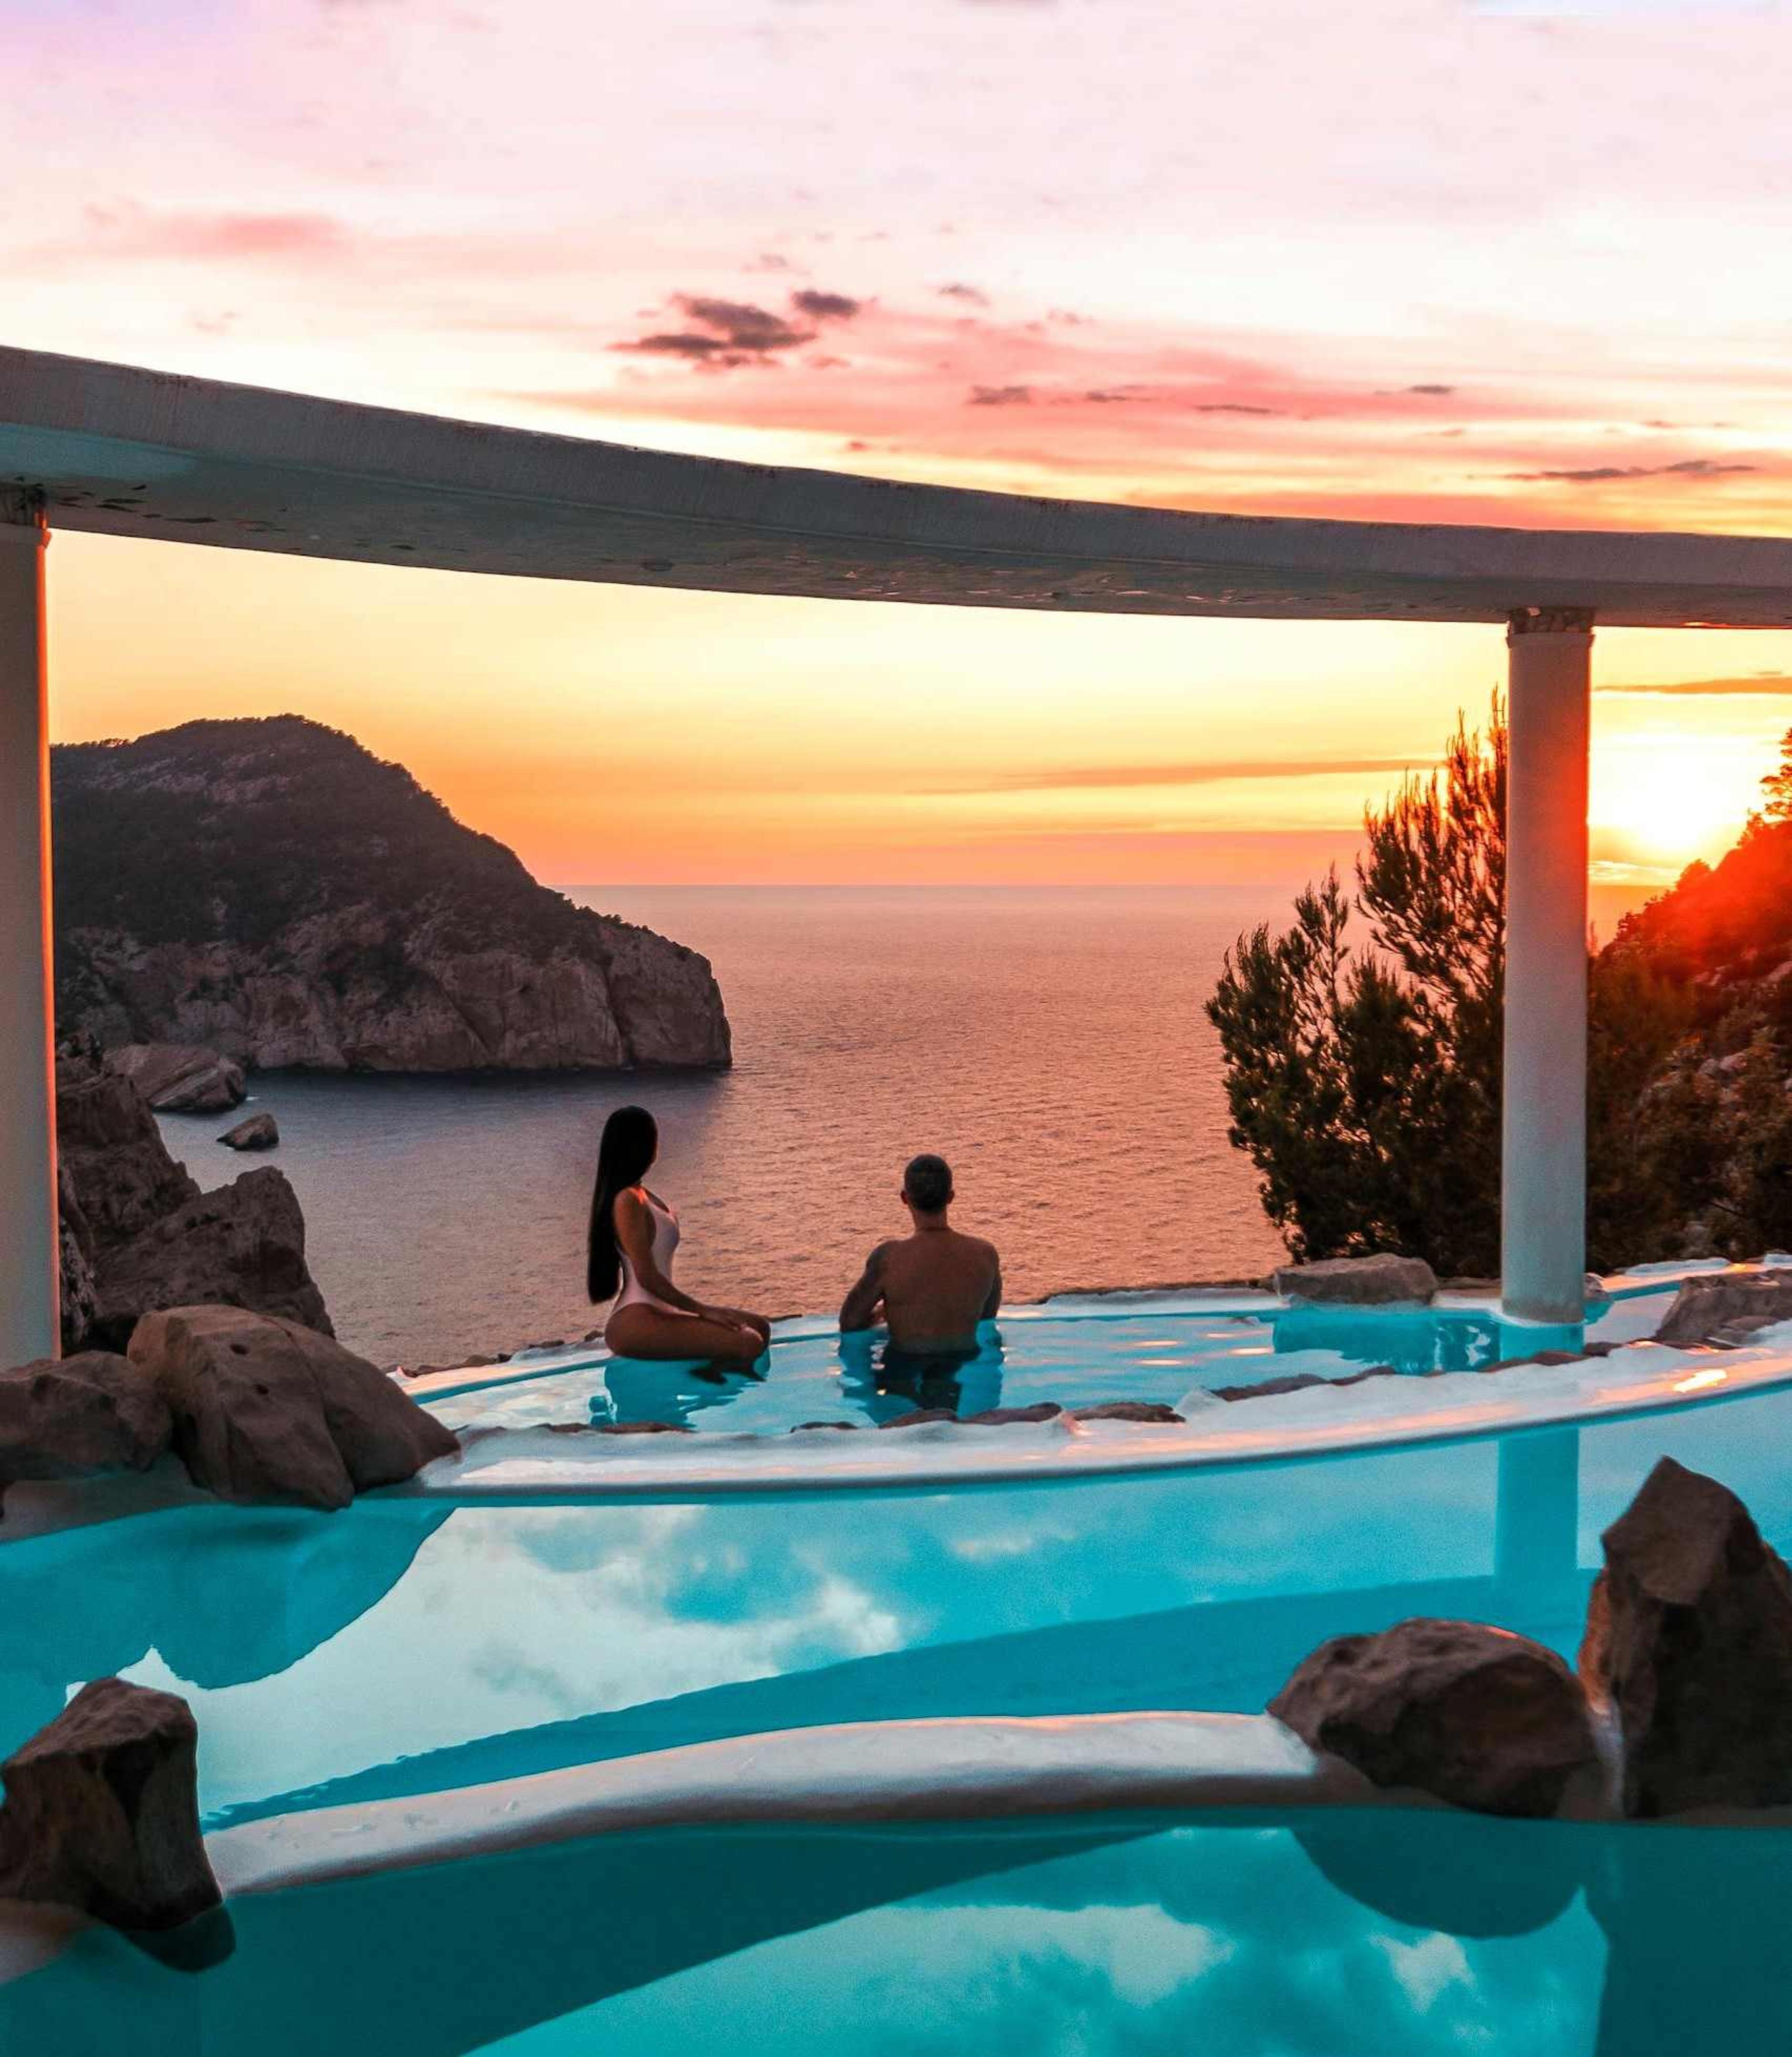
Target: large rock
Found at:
x=101, y=1811
x=93, y=1412
x=260, y=1131
x=180, y=1078
x=266, y=1409
x=118, y=1170
x=243, y=1246
x=1689, y=1633
x=1360, y=1282
x=1477, y=1716
x=78, y=1290
x=1725, y=1306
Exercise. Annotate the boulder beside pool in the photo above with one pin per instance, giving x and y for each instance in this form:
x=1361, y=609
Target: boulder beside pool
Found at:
x=1727, y=1307
x=1358, y=1282
x=265, y=1410
x=65, y=1418
x=1472, y=1714
x=1689, y=1634
x=101, y=1811
x=258, y=1132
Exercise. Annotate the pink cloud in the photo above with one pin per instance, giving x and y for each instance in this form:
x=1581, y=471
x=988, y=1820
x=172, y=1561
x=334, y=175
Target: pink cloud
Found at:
x=136, y=231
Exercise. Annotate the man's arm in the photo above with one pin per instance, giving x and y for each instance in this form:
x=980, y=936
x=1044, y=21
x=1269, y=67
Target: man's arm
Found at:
x=992, y=1305
x=861, y=1307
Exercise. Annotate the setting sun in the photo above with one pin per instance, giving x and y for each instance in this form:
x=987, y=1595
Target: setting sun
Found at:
x=1680, y=803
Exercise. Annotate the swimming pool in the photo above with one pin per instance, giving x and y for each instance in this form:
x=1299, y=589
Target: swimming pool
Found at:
x=1374, y=1933
x=411, y=1645
x=1074, y=1357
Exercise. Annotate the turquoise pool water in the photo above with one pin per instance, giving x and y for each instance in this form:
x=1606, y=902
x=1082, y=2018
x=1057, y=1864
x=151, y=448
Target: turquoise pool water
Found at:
x=1384, y=1935
x=1076, y=1360
x=404, y=1647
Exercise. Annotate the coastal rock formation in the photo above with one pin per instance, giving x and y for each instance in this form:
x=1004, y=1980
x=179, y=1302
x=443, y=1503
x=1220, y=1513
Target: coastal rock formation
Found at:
x=292, y=901
x=1359, y=1281
x=1727, y=1307
x=79, y=1292
x=137, y=1233
x=260, y=1131
x=93, y=1412
x=243, y=1246
x=265, y=1410
x=101, y=1811
x=179, y=1078
x=1475, y=1715
x=1689, y=1634
x=118, y=1177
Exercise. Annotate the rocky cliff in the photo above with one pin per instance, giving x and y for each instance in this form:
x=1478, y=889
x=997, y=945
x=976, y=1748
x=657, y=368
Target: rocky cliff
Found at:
x=1692, y=1023
x=137, y=1232
x=272, y=890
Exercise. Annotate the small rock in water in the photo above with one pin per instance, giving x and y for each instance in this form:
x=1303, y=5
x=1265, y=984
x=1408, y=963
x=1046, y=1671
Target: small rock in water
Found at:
x=802, y=1426
x=1476, y=1715
x=260, y=1131
x=101, y=1811
x=641, y=1428
x=1001, y=1417
x=180, y=1078
x=916, y=1415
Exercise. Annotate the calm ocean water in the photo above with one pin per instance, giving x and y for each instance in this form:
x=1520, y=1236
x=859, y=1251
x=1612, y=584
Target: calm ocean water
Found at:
x=1051, y=1042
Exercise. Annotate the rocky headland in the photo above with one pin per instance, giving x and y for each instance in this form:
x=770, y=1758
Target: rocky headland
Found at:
x=270, y=891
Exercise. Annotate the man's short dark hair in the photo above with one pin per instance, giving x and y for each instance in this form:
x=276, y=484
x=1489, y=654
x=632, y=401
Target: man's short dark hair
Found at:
x=928, y=1183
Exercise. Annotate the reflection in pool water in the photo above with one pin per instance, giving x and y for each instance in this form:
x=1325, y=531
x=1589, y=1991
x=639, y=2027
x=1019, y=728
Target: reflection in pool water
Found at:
x=1079, y=1361
x=451, y=1647
x=1389, y=1934
x=404, y=1648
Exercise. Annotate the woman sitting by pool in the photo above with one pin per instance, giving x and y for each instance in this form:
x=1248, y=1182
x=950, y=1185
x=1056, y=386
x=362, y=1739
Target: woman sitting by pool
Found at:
x=633, y=1235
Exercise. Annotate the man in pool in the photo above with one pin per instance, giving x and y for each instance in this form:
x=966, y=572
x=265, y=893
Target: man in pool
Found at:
x=931, y=1288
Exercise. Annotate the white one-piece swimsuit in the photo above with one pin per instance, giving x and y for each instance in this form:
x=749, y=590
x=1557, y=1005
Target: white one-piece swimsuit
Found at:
x=665, y=1242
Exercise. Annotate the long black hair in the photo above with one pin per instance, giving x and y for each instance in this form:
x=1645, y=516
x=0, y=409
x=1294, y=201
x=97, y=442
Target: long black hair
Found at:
x=631, y=1142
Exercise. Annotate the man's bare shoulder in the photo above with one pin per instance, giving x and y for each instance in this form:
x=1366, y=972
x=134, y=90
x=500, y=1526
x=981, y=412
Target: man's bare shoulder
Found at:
x=983, y=1246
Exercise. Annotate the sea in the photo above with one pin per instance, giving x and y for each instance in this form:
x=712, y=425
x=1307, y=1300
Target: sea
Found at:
x=1051, y=1042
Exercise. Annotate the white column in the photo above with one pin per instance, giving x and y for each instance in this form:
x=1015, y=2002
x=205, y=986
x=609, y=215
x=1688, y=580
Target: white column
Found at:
x=29, y=1318
x=1543, y=1205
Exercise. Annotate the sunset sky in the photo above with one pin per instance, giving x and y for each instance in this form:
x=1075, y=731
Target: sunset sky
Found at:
x=1424, y=261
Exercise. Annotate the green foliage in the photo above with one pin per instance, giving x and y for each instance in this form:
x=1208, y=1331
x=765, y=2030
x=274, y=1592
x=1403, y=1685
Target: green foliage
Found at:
x=1777, y=787
x=1364, y=1081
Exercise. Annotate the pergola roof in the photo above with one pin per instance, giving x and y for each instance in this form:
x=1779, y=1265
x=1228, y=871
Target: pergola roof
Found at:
x=124, y=451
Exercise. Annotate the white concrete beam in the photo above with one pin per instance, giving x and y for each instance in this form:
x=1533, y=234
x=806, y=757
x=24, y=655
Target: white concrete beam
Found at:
x=29, y=1316
x=123, y=451
x=1543, y=1227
